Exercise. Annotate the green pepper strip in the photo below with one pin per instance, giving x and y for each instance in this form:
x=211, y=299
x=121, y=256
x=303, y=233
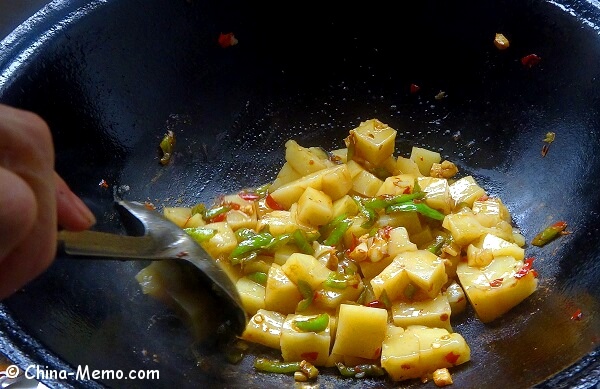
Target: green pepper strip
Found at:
x=315, y=324
x=436, y=246
x=549, y=234
x=167, y=144
x=384, y=202
x=334, y=282
x=307, y=293
x=338, y=232
x=200, y=234
x=252, y=243
x=259, y=277
x=422, y=208
x=360, y=371
x=369, y=213
x=199, y=208
x=302, y=242
x=272, y=366
x=214, y=212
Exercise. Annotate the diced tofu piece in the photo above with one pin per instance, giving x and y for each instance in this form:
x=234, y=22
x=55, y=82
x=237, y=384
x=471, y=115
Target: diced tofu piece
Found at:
x=422, y=238
x=399, y=242
x=456, y=298
x=429, y=313
x=393, y=280
x=330, y=299
x=409, y=220
x=302, y=159
x=400, y=354
x=277, y=223
x=425, y=270
x=408, y=166
x=288, y=194
x=490, y=211
x=223, y=242
x=372, y=269
x=306, y=268
x=374, y=141
x=354, y=321
x=340, y=155
x=397, y=185
x=251, y=294
x=464, y=227
x=281, y=294
x=424, y=159
x=238, y=219
x=465, y=190
x=314, y=208
x=438, y=193
x=344, y=206
x=485, y=249
x=438, y=348
x=337, y=182
x=298, y=345
x=363, y=182
x=496, y=288
x=178, y=215
x=286, y=174
x=281, y=254
x=265, y=328
x=355, y=230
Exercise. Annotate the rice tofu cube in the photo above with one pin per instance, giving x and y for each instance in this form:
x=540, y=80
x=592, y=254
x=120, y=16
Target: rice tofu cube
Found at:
x=466, y=190
x=304, y=267
x=374, y=141
x=496, y=288
x=265, y=328
x=223, y=242
x=298, y=345
x=424, y=159
x=315, y=208
x=360, y=331
x=438, y=193
x=281, y=294
x=431, y=313
x=303, y=160
x=490, y=211
x=252, y=294
x=418, y=351
x=485, y=249
x=421, y=268
x=464, y=227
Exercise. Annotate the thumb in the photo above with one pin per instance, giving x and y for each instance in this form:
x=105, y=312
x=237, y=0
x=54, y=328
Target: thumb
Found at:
x=17, y=213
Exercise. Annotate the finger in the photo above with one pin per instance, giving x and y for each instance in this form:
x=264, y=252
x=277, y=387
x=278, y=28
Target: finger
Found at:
x=72, y=213
x=18, y=212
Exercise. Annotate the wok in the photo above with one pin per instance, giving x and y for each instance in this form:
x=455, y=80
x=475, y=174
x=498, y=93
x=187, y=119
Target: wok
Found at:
x=110, y=77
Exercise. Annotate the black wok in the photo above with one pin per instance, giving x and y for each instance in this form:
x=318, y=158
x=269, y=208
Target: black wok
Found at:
x=111, y=77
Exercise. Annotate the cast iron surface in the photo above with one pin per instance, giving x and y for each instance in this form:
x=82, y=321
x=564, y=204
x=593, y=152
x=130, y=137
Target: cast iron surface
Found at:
x=111, y=77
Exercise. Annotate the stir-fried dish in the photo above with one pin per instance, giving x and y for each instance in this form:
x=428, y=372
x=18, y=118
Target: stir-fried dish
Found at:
x=357, y=258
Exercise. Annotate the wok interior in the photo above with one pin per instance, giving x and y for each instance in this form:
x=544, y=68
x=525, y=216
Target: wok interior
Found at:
x=111, y=83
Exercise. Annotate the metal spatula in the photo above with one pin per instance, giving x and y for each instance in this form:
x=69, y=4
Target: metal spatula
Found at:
x=161, y=240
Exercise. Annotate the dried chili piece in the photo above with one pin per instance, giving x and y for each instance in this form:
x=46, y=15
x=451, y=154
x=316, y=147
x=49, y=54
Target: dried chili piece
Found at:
x=414, y=88
x=226, y=40
x=530, y=60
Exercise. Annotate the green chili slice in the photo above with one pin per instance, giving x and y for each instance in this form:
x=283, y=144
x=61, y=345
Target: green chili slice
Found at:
x=360, y=371
x=302, y=242
x=307, y=294
x=200, y=234
x=216, y=211
x=334, y=281
x=167, y=144
x=259, y=277
x=436, y=246
x=255, y=242
x=314, y=324
x=549, y=234
x=338, y=229
x=273, y=366
x=382, y=202
x=421, y=208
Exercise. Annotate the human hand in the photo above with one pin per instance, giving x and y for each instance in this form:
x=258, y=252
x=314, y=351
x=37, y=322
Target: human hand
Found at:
x=34, y=200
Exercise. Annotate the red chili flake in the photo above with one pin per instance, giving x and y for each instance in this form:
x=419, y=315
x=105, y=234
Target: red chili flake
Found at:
x=496, y=283
x=577, y=315
x=149, y=206
x=271, y=203
x=444, y=317
x=377, y=353
x=451, y=357
x=182, y=254
x=414, y=88
x=407, y=190
x=248, y=196
x=376, y=304
x=219, y=218
x=384, y=232
x=406, y=366
x=226, y=40
x=484, y=198
x=103, y=183
x=530, y=60
x=310, y=356
x=526, y=268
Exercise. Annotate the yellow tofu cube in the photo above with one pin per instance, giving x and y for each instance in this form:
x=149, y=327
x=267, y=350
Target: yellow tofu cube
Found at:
x=393, y=280
x=337, y=182
x=409, y=220
x=178, y=215
x=396, y=185
x=466, y=190
x=400, y=354
x=314, y=208
x=430, y=313
x=372, y=269
x=302, y=159
x=490, y=212
x=464, y=227
x=399, y=242
x=251, y=294
x=485, y=249
x=357, y=322
x=438, y=348
x=424, y=159
x=425, y=270
x=496, y=288
x=223, y=242
x=306, y=268
x=285, y=175
x=374, y=141
x=344, y=206
x=456, y=298
x=277, y=223
x=265, y=328
x=408, y=166
x=281, y=294
x=437, y=193
x=298, y=345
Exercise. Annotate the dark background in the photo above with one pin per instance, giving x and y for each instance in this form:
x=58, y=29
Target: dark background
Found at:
x=14, y=12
